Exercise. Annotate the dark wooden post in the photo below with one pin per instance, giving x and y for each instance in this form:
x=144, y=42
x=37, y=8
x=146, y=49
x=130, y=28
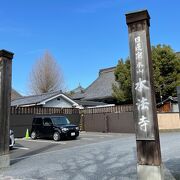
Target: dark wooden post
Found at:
x=145, y=114
x=5, y=100
x=178, y=96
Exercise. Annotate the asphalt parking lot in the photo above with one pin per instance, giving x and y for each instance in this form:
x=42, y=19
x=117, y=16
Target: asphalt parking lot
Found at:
x=93, y=156
x=28, y=147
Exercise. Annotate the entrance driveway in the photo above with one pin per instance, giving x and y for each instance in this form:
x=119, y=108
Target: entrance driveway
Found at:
x=93, y=156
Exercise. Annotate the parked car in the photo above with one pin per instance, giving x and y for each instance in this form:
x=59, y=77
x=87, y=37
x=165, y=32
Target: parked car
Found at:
x=11, y=139
x=56, y=127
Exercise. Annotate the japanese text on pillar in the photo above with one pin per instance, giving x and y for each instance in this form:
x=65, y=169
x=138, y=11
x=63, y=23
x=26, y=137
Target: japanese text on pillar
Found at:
x=141, y=86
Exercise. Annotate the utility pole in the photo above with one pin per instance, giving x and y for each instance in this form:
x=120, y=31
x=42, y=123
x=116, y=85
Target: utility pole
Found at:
x=5, y=100
x=145, y=113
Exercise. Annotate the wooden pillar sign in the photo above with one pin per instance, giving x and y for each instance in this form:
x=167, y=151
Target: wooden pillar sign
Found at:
x=142, y=86
x=145, y=114
x=178, y=96
x=5, y=100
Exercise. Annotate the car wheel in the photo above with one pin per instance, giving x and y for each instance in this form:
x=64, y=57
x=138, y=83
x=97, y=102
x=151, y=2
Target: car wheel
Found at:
x=33, y=135
x=56, y=136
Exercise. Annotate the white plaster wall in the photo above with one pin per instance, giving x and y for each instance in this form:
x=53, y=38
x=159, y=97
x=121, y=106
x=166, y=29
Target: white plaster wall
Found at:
x=58, y=103
x=175, y=107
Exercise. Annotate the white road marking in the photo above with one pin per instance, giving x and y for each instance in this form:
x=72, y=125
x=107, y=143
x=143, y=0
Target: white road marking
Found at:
x=104, y=135
x=41, y=141
x=89, y=139
x=24, y=148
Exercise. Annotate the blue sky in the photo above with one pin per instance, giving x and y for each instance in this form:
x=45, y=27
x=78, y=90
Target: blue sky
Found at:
x=83, y=35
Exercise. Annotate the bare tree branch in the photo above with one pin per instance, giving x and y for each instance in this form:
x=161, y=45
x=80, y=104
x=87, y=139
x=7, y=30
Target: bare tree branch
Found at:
x=46, y=75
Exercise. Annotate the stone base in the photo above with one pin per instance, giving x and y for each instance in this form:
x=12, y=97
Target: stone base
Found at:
x=4, y=161
x=150, y=172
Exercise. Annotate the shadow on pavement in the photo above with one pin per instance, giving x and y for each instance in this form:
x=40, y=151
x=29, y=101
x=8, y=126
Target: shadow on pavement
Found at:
x=174, y=167
x=95, y=164
x=27, y=155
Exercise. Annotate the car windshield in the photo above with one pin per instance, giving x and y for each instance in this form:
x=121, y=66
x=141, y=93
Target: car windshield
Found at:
x=60, y=120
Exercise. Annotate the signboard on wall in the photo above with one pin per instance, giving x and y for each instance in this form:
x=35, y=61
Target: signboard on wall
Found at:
x=142, y=96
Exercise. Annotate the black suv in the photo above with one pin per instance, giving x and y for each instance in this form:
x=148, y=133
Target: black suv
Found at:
x=56, y=127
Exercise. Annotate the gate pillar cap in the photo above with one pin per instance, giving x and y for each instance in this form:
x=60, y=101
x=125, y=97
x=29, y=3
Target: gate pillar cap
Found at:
x=7, y=54
x=135, y=16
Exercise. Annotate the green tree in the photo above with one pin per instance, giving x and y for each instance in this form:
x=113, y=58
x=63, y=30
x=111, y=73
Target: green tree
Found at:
x=166, y=75
x=122, y=90
x=166, y=68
